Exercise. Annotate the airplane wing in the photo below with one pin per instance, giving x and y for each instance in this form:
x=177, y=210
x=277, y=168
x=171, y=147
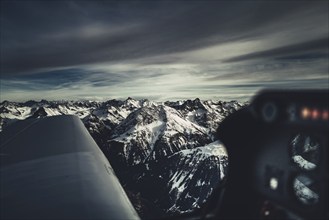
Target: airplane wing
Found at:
x=51, y=168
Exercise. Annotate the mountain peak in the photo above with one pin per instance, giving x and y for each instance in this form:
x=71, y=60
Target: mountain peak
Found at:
x=129, y=98
x=39, y=113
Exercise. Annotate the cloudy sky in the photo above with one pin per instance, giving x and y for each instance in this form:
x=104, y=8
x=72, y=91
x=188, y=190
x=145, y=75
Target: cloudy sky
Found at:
x=160, y=50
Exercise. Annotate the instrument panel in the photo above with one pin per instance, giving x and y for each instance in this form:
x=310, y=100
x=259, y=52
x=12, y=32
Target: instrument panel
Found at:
x=291, y=159
x=278, y=151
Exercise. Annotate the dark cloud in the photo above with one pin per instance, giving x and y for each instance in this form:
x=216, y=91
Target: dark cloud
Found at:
x=55, y=79
x=52, y=77
x=49, y=34
x=62, y=78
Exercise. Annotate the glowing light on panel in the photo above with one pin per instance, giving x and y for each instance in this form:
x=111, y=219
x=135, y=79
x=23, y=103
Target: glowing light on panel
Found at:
x=306, y=113
x=315, y=114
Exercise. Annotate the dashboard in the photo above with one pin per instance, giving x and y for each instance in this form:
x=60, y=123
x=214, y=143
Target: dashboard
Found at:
x=278, y=158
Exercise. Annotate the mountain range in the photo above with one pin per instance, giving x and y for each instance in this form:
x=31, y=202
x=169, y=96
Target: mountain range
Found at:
x=165, y=154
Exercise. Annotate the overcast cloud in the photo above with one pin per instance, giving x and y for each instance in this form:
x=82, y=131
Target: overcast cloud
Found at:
x=160, y=49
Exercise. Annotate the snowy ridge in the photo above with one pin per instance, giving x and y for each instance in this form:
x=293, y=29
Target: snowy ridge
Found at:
x=210, y=161
x=144, y=134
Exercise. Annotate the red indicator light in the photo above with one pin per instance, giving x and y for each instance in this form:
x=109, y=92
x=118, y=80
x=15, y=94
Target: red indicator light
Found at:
x=315, y=114
x=306, y=113
x=325, y=115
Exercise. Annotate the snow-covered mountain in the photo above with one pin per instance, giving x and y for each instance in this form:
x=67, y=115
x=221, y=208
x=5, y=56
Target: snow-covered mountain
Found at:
x=166, y=153
x=186, y=179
